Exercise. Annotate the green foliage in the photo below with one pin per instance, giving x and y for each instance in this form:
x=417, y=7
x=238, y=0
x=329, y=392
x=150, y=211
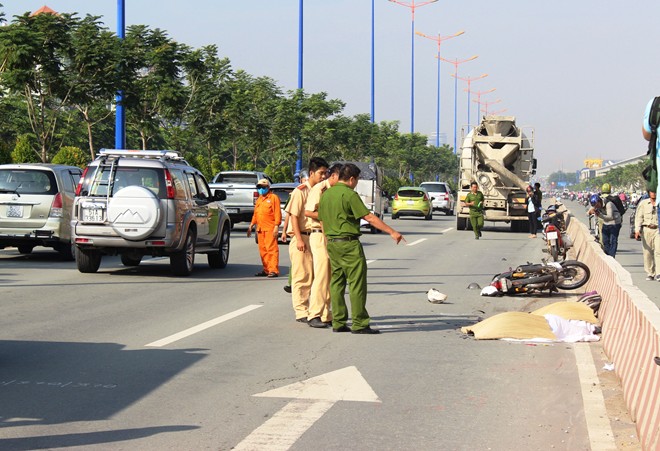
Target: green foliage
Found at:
x=23, y=152
x=63, y=71
x=71, y=156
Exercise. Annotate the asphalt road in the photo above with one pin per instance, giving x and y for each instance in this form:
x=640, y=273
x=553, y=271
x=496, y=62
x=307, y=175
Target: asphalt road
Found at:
x=89, y=361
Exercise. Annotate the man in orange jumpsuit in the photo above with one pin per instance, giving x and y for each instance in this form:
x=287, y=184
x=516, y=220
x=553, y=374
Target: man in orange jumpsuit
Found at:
x=267, y=217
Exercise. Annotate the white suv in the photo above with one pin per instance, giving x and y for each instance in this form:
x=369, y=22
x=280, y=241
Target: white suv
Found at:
x=443, y=198
x=137, y=203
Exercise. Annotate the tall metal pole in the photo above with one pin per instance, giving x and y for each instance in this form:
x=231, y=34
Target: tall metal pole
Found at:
x=412, y=7
x=299, y=160
x=455, y=63
x=373, y=70
x=120, y=115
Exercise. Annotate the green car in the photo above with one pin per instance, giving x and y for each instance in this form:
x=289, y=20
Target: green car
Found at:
x=412, y=201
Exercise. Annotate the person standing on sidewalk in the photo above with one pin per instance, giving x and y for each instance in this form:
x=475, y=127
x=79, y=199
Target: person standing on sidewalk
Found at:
x=340, y=211
x=320, y=315
x=302, y=268
x=646, y=227
x=533, y=209
x=475, y=200
x=267, y=217
x=607, y=212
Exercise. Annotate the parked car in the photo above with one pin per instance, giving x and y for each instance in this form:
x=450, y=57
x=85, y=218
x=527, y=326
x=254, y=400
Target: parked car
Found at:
x=443, y=198
x=35, y=206
x=137, y=203
x=412, y=201
x=241, y=189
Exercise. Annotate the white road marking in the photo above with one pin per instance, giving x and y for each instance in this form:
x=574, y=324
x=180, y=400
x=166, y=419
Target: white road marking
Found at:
x=201, y=327
x=447, y=230
x=312, y=398
x=601, y=436
x=416, y=242
x=370, y=261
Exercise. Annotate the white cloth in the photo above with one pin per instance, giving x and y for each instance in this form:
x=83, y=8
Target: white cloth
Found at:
x=571, y=330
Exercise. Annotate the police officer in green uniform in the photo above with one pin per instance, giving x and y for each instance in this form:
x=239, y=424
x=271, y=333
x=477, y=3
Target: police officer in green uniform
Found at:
x=475, y=200
x=340, y=210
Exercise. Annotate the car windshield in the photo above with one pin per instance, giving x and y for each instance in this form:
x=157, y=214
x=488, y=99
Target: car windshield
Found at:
x=411, y=193
x=239, y=179
x=435, y=187
x=27, y=181
x=151, y=178
x=283, y=194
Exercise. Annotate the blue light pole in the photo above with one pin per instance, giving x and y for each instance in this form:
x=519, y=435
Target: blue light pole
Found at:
x=455, y=63
x=299, y=160
x=373, y=70
x=412, y=7
x=469, y=81
x=438, y=40
x=120, y=115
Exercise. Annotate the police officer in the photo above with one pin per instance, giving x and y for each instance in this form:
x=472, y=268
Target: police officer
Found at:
x=340, y=211
x=646, y=227
x=475, y=200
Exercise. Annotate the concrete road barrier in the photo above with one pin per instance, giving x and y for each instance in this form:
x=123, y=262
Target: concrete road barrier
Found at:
x=631, y=332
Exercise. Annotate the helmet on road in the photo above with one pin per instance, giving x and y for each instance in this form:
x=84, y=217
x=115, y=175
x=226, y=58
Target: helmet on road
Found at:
x=594, y=199
x=606, y=189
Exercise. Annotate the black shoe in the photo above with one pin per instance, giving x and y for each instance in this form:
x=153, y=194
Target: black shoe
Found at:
x=272, y=275
x=301, y=320
x=287, y=288
x=343, y=328
x=479, y=233
x=329, y=323
x=317, y=323
x=261, y=274
x=366, y=330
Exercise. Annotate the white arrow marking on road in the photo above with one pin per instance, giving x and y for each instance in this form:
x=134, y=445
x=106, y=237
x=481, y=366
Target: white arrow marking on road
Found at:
x=312, y=398
x=417, y=242
x=201, y=327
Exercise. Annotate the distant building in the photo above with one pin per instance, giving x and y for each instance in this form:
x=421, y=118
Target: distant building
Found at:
x=44, y=10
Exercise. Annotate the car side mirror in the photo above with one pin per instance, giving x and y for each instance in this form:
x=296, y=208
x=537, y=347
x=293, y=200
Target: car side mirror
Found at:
x=220, y=195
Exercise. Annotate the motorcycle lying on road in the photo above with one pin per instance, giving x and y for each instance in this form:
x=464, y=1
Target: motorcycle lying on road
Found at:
x=535, y=278
x=554, y=233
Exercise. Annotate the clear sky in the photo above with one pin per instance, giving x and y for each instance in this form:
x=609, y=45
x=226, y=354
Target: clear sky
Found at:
x=579, y=72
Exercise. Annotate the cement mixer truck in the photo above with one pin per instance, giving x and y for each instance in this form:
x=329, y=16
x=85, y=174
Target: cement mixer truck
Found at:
x=499, y=156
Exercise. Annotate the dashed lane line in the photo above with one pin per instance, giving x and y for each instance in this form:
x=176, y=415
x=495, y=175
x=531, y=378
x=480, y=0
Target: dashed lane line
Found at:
x=414, y=243
x=201, y=327
x=447, y=230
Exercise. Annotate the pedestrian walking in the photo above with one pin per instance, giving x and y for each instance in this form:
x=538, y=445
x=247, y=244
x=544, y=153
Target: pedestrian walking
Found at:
x=267, y=217
x=340, y=211
x=302, y=266
x=646, y=228
x=475, y=200
x=319, y=314
x=610, y=218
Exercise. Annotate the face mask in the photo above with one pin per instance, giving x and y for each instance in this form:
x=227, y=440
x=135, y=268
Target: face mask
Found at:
x=262, y=191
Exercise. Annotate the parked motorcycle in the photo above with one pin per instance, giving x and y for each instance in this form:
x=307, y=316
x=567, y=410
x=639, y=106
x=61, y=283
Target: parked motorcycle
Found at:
x=554, y=233
x=535, y=278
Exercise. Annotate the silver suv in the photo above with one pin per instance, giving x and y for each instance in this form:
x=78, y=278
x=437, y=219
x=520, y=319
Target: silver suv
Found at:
x=35, y=206
x=136, y=203
x=443, y=197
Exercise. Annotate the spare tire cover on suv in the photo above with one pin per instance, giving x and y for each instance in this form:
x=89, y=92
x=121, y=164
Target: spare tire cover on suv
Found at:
x=134, y=212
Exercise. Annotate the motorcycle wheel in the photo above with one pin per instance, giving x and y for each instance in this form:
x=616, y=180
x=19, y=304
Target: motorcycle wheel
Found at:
x=574, y=274
x=554, y=251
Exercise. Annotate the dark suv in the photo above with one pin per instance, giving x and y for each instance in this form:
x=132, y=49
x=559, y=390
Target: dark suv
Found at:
x=137, y=203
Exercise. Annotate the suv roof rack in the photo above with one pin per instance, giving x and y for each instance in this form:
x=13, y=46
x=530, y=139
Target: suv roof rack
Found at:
x=147, y=154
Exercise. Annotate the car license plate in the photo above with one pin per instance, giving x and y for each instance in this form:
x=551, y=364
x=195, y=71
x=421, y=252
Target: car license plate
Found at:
x=232, y=210
x=92, y=215
x=411, y=202
x=552, y=235
x=15, y=211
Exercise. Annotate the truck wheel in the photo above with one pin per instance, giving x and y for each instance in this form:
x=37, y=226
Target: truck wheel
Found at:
x=182, y=262
x=461, y=223
x=88, y=260
x=25, y=248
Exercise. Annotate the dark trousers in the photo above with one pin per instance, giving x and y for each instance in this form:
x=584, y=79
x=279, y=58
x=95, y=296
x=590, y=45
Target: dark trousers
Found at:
x=533, y=222
x=611, y=238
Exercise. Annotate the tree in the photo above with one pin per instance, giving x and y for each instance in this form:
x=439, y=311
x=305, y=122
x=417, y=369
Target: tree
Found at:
x=71, y=156
x=33, y=53
x=23, y=151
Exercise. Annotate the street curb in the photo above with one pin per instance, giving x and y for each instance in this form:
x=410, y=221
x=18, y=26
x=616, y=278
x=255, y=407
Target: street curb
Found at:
x=631, y=332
